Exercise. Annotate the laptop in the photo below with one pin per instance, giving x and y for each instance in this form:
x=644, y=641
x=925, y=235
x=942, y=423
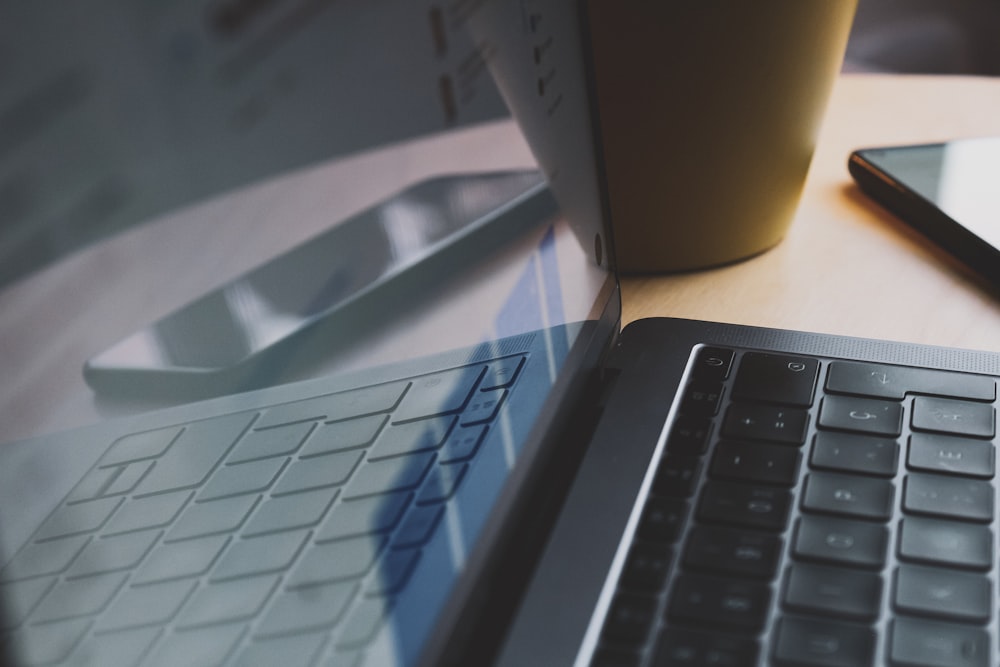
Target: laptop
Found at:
x=495, y=474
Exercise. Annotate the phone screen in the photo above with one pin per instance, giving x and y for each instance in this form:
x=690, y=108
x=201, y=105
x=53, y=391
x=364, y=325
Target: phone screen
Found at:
x=962, y=178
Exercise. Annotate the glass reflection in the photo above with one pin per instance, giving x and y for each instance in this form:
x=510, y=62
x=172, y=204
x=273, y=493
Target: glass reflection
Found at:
x=333, y=520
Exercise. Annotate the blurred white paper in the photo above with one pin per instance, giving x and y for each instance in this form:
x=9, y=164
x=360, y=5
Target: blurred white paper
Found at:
x=112, y=111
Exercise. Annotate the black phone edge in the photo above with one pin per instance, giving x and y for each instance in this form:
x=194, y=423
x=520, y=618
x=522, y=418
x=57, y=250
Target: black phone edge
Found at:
x=925, y=217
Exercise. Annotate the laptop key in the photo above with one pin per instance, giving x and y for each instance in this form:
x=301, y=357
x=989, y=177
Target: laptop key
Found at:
x=363, y=622
x=127, y=478
x=661, y=519
x=299, y=510
x=95, y=482
x=942, y=593
x=712, y=364
x=483, y=407
x=227, y=601
x=718, y=601
x=392, y=573
x=442, y=483
x=775, y=378
x=948, y=543
x=350, y=434
x=148, y=512
x=766, y=422
x=418, y=436
x=501, y=373
x=77, y=518
x=685, y=648
x=886, y=381
x=296, y=611
x=801, y=641
x=828, y=591
x=214, y=517
x=292, y=651
x=335, y=407
x=630, y=618
x=616, y=656
x=270, y=443
x=194, y=454
x=840, y=541
x=43, y=558
x=134, y=609
x=942, y=415
x=732, y=551
x=744, y=505
x=951, y=455
x=702, y=399
x=689, y=437
x=677, y=476
x=341, y=560
x=187, y=558
x=462, y=444
x=931, y=644
x=259, y=555
x=647, y=567
x=243, y=478
x=78, y=597
x=418, y=526
x=20, y=598
x=317, y=472
x=752, y=462
x=860, y=454
x=401, y=473
x=861, y=415
x=949, y=497
x=366, y=516
x=110, y=554
x=200, y=646
x=439, y=394
x=122, y=648
x=847, y=495
x=46, y=643
x=138, y=446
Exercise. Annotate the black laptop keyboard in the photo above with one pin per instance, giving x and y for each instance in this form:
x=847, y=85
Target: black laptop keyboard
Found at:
x=275, y=536
x=815, y=512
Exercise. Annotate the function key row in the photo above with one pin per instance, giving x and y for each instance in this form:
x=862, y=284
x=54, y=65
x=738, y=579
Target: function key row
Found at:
x=789, y=380
x=895, y=382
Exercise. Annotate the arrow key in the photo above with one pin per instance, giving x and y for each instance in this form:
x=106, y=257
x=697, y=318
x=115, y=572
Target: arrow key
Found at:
x=862, y=415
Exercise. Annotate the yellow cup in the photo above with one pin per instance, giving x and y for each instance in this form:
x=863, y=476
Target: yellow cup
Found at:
x=709, y=112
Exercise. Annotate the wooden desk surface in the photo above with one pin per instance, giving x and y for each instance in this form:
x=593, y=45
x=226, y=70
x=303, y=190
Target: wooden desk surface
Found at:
x=846, y=267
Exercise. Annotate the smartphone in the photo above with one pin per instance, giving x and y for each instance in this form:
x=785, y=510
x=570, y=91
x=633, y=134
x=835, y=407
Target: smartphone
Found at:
x=949, y=192
x=324, y=293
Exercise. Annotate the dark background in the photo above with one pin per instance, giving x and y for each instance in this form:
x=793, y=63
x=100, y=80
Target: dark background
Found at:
x=926, y=37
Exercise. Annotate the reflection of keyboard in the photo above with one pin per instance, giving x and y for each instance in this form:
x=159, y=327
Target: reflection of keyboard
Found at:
x=241, y=535
x=815, y=512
